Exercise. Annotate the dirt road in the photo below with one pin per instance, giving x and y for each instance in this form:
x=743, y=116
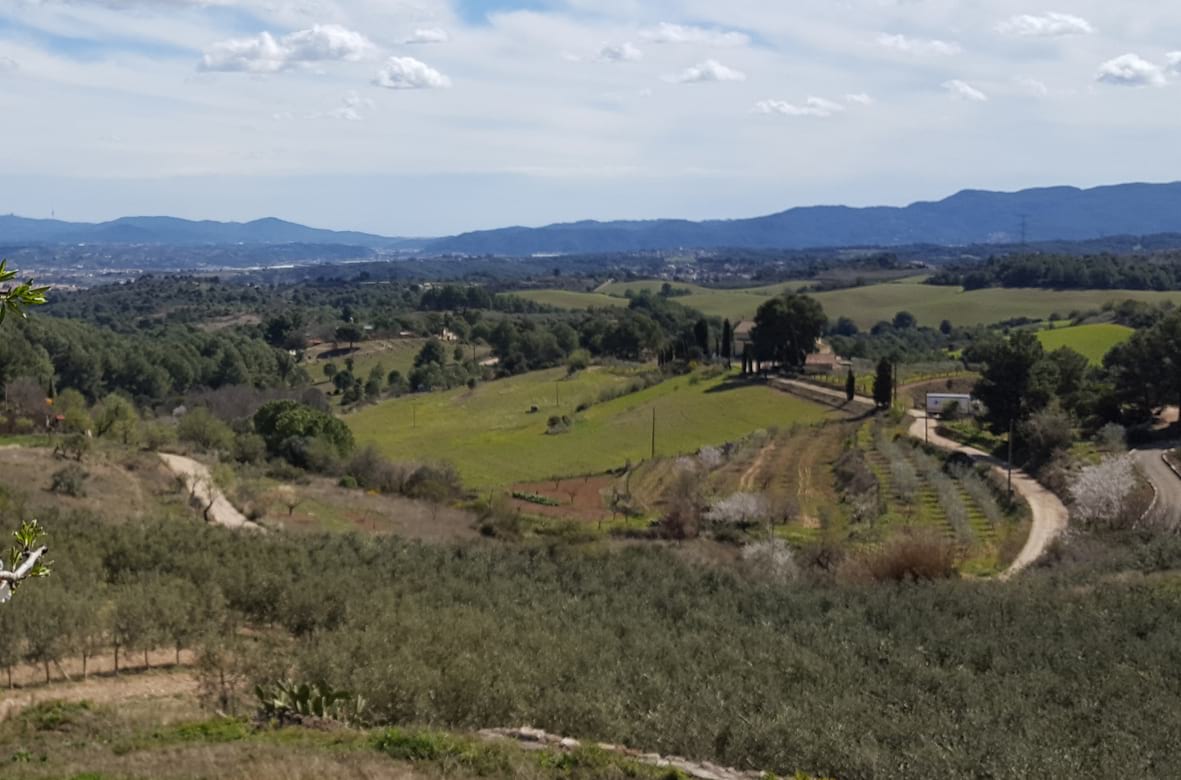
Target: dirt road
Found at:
x=200, y=483
x=1050, y=515
x=1166, y=508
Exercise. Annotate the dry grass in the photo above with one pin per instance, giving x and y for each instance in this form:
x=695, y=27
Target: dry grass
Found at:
x=122, y=484
x=324, y=506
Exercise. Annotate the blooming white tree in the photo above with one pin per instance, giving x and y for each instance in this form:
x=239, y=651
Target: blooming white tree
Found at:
x=739, y=509
x=710, y=457
x=1099, y=497
x=771, y=559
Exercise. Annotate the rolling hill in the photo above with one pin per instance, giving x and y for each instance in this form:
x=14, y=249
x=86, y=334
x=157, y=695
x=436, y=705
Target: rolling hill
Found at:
x=173, y=231
x=968, y=217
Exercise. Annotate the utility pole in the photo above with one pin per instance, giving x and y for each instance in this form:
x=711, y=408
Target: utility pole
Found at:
x=653, y=434
x=1010, y=457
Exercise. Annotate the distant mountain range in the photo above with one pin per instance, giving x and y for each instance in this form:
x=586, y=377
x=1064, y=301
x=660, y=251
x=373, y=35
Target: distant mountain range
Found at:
x=172, y=231
x=969, y=217
x=966, y=218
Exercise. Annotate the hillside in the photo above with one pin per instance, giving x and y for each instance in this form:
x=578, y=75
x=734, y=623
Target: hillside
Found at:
x=968, y=217
x=173, y=231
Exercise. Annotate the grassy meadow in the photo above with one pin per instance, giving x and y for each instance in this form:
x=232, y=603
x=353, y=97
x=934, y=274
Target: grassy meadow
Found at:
x=1093, y=341
x=874, y=303
x=492, y=438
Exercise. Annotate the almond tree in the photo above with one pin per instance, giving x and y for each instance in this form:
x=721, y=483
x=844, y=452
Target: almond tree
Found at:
x=25, y=557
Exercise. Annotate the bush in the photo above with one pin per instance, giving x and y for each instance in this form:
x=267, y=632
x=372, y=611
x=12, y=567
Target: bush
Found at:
x=439, y=484
x=249, y=448
x=70, y=481
x=369, y=469
x=912, y=558
x=202, y=429
x=156, y=436
x=1044, y=434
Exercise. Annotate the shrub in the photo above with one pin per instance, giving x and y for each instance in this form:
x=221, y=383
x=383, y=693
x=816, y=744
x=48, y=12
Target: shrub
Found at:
x=369, y=469
x=70, y=481
x=912, y=558
x=156, y=436
x=439, y=484
x=1045, y=433
x=249, y=448
x=202, y=429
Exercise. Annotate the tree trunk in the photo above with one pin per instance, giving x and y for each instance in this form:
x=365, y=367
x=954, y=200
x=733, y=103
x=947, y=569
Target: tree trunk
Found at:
x=83, y=664
x=116, y=658
x=9, y=670
x=178, y=655
x=147, y=664
x=47, y=671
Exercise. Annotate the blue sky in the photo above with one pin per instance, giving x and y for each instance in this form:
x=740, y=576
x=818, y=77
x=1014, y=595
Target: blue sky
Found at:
x=425, y=117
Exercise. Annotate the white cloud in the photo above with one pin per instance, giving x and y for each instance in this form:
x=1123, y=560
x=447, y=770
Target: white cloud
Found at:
x=409, y=73
x=428, y=35
x=351, y=107
x=8, y=65
x=708, y=71
x=918, y=46
x=1031, y=86
x=1173, y=60
x=813, y=106
x=679, y=33
x=962, y=90
x=1048, y=25
x=621, y=52
x=266, y=54
x=1130, y=70
x=859, y=99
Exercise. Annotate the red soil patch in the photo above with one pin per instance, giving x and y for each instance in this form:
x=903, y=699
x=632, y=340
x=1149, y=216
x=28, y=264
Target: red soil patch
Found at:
x=581, y=498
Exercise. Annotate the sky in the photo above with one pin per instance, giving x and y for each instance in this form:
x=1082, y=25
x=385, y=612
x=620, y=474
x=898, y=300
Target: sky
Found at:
x=432, y=117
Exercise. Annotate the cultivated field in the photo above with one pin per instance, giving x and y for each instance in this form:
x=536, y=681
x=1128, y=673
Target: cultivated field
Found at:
x=1093, y=341
x=493, y=439
x=874, y=303
x=574, y=301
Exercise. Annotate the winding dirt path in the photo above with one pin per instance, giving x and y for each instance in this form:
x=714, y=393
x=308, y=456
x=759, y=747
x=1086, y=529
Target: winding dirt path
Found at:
x=747, y=483
x=199, y=481
x=1165, y=511
x=1050, y=516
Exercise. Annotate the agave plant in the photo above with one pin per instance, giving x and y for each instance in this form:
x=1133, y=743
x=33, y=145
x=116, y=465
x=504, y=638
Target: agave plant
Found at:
x=288, y=702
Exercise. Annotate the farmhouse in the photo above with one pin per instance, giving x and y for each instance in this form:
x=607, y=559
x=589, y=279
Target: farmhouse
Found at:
x=824, y=363
x=938, y=402
x=743, y=336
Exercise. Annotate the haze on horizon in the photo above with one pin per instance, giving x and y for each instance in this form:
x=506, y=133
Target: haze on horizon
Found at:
x=430, y=117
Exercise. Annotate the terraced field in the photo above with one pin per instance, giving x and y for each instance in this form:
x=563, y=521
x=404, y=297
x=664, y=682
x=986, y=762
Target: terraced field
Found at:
x=936, y=501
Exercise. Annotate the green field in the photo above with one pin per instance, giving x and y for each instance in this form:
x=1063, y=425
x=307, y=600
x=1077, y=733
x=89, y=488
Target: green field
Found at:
x=494, y=441
x=931, y=305
x=566, y=299
x=1093, y=341
x=874, y=303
